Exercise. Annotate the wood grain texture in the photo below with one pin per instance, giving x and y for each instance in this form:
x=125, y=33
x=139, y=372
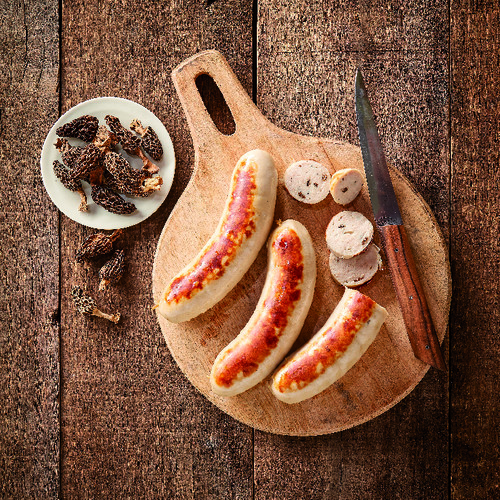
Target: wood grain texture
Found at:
x=411, y=297
x=307, y=59
x=475, y=324
x=132, y=425
x=308, y=53
x=29, y=266
x=389, y=370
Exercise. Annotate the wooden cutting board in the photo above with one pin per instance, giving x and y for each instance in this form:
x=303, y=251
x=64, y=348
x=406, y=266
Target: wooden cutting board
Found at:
x=388, y=371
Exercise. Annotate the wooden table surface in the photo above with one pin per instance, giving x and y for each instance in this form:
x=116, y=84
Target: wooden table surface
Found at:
x=93, y=410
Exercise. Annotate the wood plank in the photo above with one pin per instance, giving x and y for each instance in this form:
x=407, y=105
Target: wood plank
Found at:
x=305, y=83
x=29, y=261
x=474, y=350
x=363, y=462
x=132, y=424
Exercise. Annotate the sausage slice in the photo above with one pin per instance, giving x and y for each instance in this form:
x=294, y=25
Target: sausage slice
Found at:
x=307, y=181
x=358, y=270
x=346, y=185
x=348, y=234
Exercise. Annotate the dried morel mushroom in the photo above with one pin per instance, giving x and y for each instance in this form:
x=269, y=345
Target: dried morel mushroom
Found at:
x=111, y=201
x=105, y=139
x=148, y=187
x=97, y=244
x=72, y=184
x=62, y=145
x=87, y=305
x=69, y=153
x=96, y=176
x=84, y=128
x=113, y=270
x=110, y=182
x=130, y=143
x=126, y=179
x=90, y=159
x=150, y=142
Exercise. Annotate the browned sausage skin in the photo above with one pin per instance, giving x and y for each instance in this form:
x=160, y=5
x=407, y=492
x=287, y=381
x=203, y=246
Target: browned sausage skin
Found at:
x=337, y=346
x=335, y=340
x=278, y=316
x=241, y=232
x=264, y=334
x=238, y=223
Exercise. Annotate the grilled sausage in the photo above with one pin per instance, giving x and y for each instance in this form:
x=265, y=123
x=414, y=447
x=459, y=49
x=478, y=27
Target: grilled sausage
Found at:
x=278, y=317
x=225, y=258
x=337, y=346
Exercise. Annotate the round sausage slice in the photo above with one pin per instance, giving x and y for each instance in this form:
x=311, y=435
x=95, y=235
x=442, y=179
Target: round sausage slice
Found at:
x=348, y=234
x=358, y=270
x=346, y=185
x=307, y=181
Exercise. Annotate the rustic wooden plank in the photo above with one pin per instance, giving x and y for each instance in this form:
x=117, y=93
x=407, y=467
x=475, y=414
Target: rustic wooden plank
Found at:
x=474, y=346
x=363, y=462
x=29, y=262
x=132, y=425
x=305, y=83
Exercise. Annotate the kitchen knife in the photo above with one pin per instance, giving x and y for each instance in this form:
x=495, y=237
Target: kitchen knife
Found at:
x=409, y=291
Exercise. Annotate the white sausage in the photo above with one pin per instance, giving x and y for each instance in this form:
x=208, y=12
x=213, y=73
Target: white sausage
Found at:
x=278, y=317
x=348, y=234
x=226, y=257
x=357, y=270
x=346, y=185
x=334, y=350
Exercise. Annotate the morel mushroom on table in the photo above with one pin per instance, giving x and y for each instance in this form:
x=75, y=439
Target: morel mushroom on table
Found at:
x=87, y=305
x=96, y=245
x=113, y=270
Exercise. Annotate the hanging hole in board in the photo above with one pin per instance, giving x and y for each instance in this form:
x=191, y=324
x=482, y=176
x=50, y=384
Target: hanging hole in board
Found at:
x=216, y=105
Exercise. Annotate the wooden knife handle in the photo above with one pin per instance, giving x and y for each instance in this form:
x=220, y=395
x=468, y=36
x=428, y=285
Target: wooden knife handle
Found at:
x=410, y=293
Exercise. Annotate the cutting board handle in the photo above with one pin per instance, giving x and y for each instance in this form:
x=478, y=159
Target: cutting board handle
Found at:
x=246, y=115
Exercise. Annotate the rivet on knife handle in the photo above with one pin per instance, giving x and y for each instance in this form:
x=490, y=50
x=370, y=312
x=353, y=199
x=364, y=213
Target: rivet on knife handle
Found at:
x=411, y=296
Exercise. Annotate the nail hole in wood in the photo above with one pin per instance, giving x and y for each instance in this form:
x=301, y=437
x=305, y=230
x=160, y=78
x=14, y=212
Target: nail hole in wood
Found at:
x=216, y=105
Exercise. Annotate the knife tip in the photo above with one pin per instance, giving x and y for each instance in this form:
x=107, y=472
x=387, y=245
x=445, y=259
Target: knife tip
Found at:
x=359, y=78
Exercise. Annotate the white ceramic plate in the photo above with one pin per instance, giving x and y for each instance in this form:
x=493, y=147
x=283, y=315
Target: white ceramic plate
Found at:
x=97, y=217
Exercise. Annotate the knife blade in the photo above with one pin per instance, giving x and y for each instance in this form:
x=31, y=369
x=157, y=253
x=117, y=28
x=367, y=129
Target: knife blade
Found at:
x=411, y=297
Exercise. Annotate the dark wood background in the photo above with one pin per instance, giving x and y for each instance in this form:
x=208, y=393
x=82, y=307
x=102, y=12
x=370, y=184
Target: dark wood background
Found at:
x=93, y=410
